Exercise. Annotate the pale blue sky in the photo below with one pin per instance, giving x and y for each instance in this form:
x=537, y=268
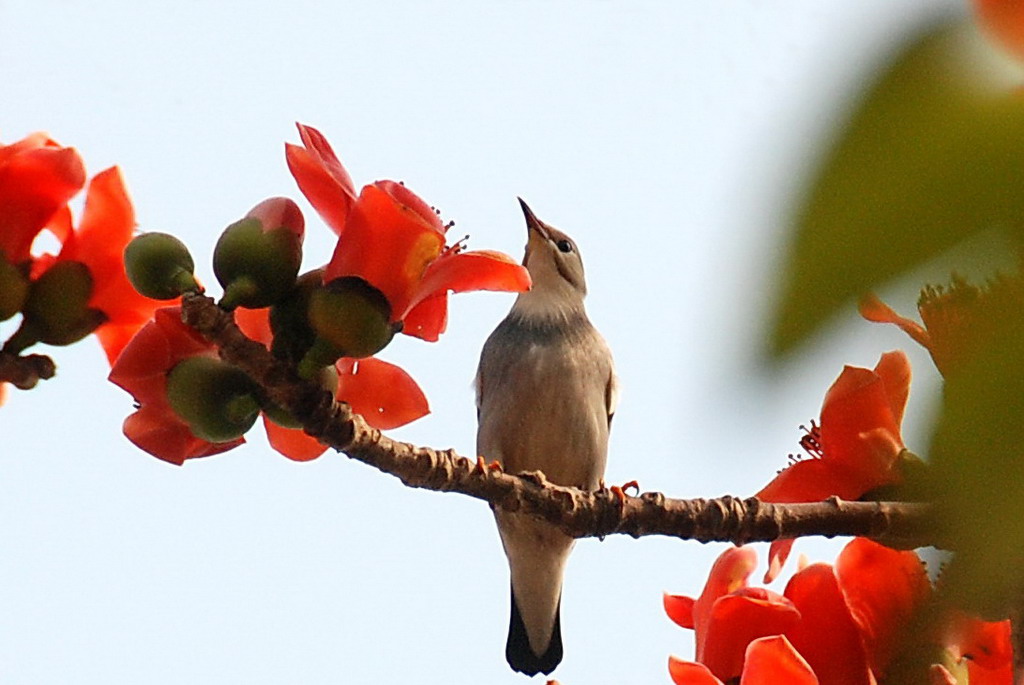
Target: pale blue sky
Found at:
x=666, y=137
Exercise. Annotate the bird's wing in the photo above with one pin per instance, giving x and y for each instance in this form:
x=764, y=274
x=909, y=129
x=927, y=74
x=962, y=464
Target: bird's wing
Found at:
x=611, y=395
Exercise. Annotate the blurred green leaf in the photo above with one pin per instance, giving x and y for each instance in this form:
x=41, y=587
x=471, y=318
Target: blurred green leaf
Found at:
x=978, y=458
x=928, y=159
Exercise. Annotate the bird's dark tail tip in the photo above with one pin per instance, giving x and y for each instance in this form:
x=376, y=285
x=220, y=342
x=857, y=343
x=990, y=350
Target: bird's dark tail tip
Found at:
x=520, y=655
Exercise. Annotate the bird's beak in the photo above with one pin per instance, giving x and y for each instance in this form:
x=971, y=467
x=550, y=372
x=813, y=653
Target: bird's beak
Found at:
x=532, y=222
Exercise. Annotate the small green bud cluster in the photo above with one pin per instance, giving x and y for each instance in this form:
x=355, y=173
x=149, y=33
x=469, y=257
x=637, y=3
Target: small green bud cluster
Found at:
x=256, y=260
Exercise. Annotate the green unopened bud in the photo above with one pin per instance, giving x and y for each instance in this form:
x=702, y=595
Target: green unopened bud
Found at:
x=160, y=266
x=257, y=259
x=216, y=400
x=56, y=309
x=13, y=289
x=351, y=319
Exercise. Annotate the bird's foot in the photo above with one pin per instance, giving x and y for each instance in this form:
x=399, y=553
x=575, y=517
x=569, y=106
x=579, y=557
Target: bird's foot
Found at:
x=482, y=466
x=619, y=491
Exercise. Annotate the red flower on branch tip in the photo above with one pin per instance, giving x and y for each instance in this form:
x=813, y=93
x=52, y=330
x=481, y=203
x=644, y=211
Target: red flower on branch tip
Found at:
x=37, y=179
x=854, y=449
x=394, y=241
x=383, y=393
x=142, y=370
x=846, y=623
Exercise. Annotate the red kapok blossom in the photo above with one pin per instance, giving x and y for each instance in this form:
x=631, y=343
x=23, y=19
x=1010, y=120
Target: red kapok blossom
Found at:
x=37, y=178
x=856, y=446
x=384, y=394
x=394, y=241
x=107, y=225
x=851, y=623
x=728, y=615
x=142, y=370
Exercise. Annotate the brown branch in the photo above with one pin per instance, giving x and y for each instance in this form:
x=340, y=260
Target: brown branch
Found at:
x=25, y=371
x=577, y=512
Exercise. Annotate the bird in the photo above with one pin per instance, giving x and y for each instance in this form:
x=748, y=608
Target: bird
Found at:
x=546, y=391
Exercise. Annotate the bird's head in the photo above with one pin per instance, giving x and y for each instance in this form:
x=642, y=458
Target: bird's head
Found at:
x=556, y=270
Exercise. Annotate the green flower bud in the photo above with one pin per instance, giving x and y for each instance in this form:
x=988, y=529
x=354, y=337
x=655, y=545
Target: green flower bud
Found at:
x=160, y=266
x=56, y=309
x=351, y=319
x=216, y=400
x=257, y=259
x=13, y=289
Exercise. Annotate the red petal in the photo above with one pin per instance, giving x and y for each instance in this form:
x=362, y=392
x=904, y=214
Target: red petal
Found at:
x=293, y=443
x=894, y=370
x=387, y=245
x=255, y=323
x=679, y=608
x=986, y=643
x=465, y=271
x=331, y=199
x=736, y=620
x=155, y=429
x=873, y=309
x=318, y=146
x=826, y=635
x=979, y=675
x=99, y=242
x=728, y=574
x=142, y=367
x=773, y=660
x=811, y=480
x=859, y=432
x=37, y=178
x=411, y=201
x=385, y=395
x=690, y=673
x=883, y=589
x=429, y=319
x=778, y=553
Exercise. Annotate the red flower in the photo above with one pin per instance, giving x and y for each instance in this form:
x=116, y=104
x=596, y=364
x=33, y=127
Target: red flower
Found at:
x=728, y=615
x=855, y=448
x=385, y=395
x=393, y=240
x=843, y=625
x=105, y=229
x=142, y=370
x=37, y=178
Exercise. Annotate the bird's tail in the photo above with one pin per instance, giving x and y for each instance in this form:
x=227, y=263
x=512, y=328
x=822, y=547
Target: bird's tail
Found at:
x=520, y=654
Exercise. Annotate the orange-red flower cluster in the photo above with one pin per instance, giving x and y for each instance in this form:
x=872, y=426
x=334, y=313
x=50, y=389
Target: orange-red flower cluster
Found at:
x=854, y=448
x=394, y=241
x=38, y=177
x=389, y=238
x=846, y=624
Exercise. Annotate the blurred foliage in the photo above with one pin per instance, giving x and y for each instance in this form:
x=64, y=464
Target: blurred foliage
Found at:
x=933, y=155
x=928, y=159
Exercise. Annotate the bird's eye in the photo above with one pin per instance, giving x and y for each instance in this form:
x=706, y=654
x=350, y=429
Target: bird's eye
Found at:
x=564, y=246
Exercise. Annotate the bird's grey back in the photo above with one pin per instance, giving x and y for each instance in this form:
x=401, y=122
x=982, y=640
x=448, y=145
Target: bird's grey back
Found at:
x=553, y=410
